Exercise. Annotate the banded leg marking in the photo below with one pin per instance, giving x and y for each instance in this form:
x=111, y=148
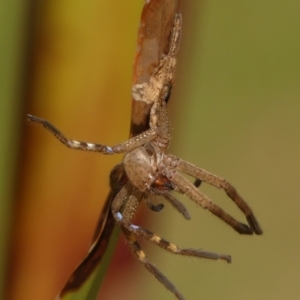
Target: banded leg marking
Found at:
x=140, y=254
x=127, y=146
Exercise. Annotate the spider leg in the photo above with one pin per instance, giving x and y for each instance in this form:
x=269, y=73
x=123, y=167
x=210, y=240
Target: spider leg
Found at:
x=126, y=146
x=129, y=203
x=177, y=205
x=173, y=201
x=124, y=220
x=155, y=239
x=220, y=183
x=140, y=254
x=196, y=195
x=148, y=201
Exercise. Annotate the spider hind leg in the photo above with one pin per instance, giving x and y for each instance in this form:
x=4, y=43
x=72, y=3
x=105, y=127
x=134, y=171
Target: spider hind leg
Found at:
x=141, y=256
x=166, y=245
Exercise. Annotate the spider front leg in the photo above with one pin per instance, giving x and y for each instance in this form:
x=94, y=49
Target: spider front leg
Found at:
x=126, y=146
x=220, y=183
x=193, y=193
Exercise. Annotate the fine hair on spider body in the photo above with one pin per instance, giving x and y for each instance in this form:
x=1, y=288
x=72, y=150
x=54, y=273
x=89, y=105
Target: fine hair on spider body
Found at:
x=147, y=170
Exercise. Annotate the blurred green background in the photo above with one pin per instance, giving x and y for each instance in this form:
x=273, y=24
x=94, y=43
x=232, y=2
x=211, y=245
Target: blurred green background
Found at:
x=235, y=111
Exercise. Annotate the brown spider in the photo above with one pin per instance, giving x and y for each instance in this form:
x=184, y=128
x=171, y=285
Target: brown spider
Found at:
x=150, y=170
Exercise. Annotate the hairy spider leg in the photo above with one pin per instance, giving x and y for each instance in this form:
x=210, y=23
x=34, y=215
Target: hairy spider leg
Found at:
x=158, y=90
x=131, y=144
x=220, y=183
x=196, y=195
x=127, y=201
x=177, y=205
x=141, y=256
x=133, y=201
x=126, y=146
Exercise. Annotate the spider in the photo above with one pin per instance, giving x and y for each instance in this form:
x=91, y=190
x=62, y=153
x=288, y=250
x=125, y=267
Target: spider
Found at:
x=147, y=170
